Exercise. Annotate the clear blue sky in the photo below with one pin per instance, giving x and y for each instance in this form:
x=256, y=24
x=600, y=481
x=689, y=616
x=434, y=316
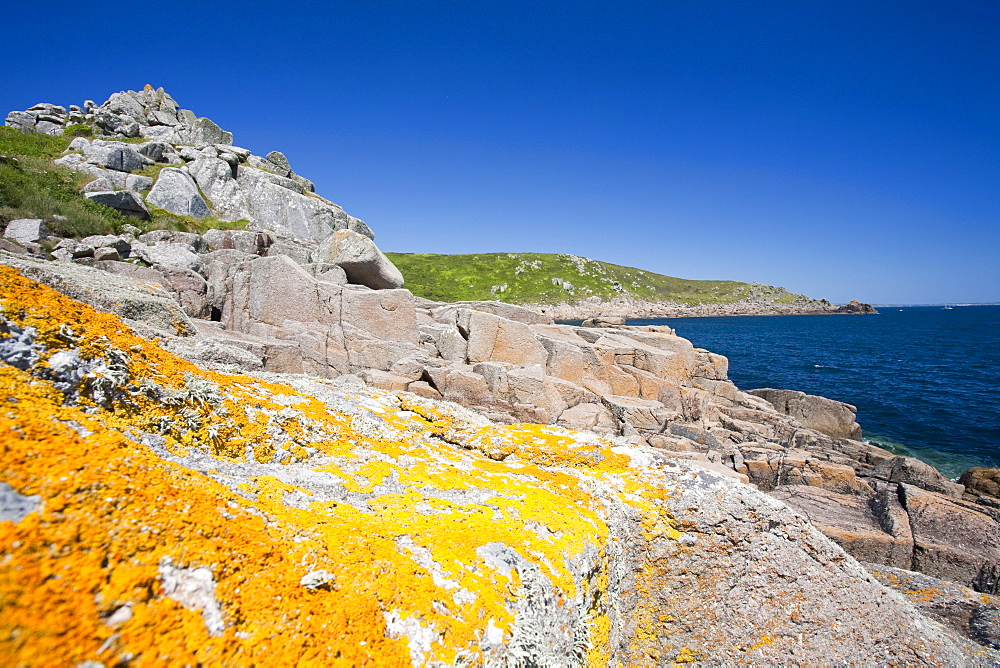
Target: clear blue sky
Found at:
x=840, y=149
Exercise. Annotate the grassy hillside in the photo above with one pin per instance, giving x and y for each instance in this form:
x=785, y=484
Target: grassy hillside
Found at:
x=545, y=278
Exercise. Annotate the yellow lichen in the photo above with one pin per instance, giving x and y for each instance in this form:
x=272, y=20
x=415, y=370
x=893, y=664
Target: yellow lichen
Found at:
x=113, y=511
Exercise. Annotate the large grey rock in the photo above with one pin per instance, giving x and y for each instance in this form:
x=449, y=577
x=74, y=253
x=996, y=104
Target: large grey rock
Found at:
x=157, y=151
x=363, y=262
x=176, y=192
x=122, y=245
x=203, y=132
x=132, y=299
x=833, y=418
x=115, y=155
x=171, y=255
x=216, y=179
x=26, y=230
x=255, y=243
x=287, y=212
x=128, y=202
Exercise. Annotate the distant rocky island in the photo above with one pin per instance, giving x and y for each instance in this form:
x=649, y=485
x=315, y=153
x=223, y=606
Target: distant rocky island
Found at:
x=569, y=287
x=231, y=436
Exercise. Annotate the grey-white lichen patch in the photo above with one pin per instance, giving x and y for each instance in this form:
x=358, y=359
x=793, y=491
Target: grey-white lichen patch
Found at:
x=18, y=347
x=319, y=579
x=193, y=588
x=14, y=507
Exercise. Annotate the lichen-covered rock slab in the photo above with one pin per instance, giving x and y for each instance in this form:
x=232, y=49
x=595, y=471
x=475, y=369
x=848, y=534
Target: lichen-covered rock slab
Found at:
x=187, y=516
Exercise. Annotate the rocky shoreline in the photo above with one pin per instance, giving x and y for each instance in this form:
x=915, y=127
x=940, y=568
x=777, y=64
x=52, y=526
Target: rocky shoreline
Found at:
x=629, y=309
x=222, y=436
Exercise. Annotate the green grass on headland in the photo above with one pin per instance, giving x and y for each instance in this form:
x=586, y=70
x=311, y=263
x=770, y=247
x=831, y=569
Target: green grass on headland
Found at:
x=544, y=278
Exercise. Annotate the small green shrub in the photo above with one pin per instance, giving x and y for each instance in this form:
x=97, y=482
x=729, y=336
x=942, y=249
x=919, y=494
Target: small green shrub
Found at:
x=79, y=130
x=161, y=219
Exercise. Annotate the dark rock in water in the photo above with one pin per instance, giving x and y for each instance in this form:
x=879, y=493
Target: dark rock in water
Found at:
x=856, y=307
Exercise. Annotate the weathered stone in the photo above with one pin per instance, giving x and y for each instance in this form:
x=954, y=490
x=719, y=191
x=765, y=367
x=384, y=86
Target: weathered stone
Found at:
x=123, y=246
x=447, y=340
x=278, y=159
x=849, y=520
x=424, y=389
x=508, y=311
x=981, y=482
x=134, y=300
x=212, y=351
x=385, y=380
x=495, y=339
x=177, y=192
x=916, y=472
x=460, y=383
x=26, y=230
x=275, y=355
x=203, y=132
x=255, y=243
x=276, y=290
x=217, y=181
x=833, y=418
x=953, y=539
x=388, y=315
x=970, y=613
x=115, y=155
x=363, y=262
x=128, y=202
x=631, y=413
x=165, y=254
x=376, y=354
x=589, y=417
x=101, y=254
x=299, y=252
x=193, y=241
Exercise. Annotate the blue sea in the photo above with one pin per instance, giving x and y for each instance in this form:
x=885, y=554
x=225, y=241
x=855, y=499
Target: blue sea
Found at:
x=925, y=379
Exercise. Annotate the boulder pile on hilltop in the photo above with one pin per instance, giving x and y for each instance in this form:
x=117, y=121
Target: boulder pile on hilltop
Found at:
x=280, y=378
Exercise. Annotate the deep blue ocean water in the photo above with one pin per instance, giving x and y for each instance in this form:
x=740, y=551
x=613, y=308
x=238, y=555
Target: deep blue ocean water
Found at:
x=925, y=379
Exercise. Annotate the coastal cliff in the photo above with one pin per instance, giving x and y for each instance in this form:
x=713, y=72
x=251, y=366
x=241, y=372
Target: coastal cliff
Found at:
x=252, y=444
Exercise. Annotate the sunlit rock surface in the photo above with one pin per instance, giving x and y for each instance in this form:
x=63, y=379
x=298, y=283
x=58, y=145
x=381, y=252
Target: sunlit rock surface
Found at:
x=158, y=512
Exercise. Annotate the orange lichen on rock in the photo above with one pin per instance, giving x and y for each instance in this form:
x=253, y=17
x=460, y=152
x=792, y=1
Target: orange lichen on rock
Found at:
x=190, y=516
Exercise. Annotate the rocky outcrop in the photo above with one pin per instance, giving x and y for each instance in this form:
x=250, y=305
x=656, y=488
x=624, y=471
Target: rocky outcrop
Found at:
x=362, y=261
x=215, y=517
x=833, y=418
x=209, y=177
x=967, y=611
x=982, y=483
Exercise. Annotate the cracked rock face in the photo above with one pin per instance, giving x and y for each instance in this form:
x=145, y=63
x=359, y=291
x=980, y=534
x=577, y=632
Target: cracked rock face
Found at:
x=283, y=519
